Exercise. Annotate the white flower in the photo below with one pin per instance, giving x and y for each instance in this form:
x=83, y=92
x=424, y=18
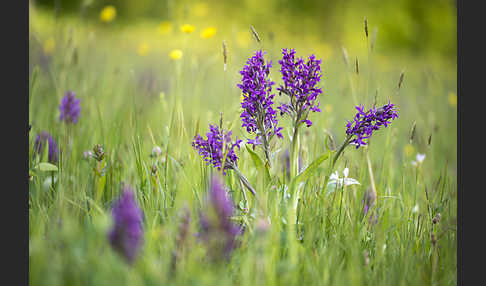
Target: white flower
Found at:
x=419, y=159
x=415, y=209
x=156, y=151
x=346, y=172
x=334, y=176
x=336, y=182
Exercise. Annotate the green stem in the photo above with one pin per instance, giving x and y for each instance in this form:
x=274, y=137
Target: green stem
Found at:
x=266, y=147
x=294, y=157
x=335, y=158
x=341, y=149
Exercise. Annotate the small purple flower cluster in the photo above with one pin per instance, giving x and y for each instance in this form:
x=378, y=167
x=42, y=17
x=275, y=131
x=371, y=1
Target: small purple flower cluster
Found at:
x=217, y=230
x=127, y=234
x=300, y=84
x=211, y=149
x=69, y=108
x=69, y=112
x=258, y=116
x=39, y=145
x=365, y=123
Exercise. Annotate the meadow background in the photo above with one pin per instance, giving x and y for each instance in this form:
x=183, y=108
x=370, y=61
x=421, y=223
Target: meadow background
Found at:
x=136, y=93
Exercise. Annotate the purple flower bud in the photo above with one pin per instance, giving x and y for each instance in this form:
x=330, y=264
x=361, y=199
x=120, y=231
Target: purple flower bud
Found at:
x=39, y=146
x=300, y=85
x=258, y=116
x=126, y=235
x=211, y=149
x=365, y=123
x=69, y=108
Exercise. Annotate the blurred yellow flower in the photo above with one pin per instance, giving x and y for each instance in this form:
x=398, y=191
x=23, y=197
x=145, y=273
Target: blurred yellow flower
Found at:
x=164, y=28
x=175, y=54
x=408, y=150
x=452, y=98
x=328, y=108
x=201, y=9
x=186, y=28
x=108, y=14
x=49, y=46
x=208, y=32
x=143, y=49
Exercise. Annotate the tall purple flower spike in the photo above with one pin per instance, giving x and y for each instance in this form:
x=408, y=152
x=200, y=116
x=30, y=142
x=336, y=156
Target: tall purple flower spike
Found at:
x=300, y=80
x=365, y=123
x=69, y=108
x=217, y=229
x=39, y=145
x=211, y=149
x=126, y=235
x=258, y=116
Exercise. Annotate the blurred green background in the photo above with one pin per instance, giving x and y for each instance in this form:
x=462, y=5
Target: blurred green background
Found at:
x=413, y=27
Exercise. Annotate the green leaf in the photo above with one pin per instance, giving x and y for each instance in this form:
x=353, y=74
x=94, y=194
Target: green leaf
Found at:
x=46, y=167
x=304, y=175
x=258, y=162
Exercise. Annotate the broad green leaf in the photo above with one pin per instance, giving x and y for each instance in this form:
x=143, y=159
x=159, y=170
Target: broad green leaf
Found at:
x=45, y=167
x=304, y=175
x=258, y=162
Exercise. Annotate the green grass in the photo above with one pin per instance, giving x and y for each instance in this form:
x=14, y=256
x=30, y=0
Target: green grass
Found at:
x=124, y=112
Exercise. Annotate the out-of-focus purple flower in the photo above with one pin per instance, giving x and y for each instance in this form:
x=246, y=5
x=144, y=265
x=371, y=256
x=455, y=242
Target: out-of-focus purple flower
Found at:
x=182, y=235
x=300, y=84
x=365, y=123
x=69, y=108
x=39, y=146
x=258, y=116
x=211, y=149
x=126, y=235
x=218, y=232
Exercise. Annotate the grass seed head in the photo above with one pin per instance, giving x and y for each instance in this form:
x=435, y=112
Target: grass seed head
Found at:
x=400, y=81
x=345, y=56
x=412, y=131
x=225, y=54
x=99, y=153
x=366, y=26
x=255, y=34
x=436, y=219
